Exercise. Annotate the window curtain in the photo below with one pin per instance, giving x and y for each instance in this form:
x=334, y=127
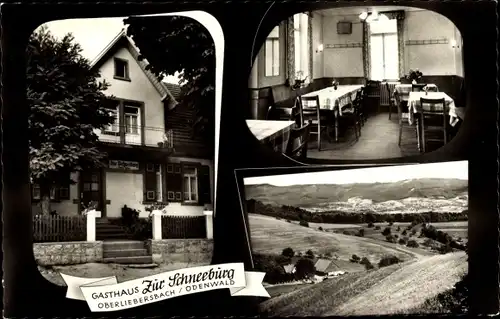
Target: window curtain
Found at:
x=366, y=50
x=290, y=51
x=400, y=18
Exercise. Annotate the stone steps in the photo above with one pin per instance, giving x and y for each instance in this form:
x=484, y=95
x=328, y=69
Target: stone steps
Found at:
x=126, y=252
x=129, y=260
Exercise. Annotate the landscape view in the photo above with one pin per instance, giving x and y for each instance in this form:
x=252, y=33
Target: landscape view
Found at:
x=374, y=241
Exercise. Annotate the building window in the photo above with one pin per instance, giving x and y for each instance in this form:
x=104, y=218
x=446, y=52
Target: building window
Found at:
x=121, y=69
x=114, y=127
x=300, y=30
x=131, y=118
x=384, y=50
x=56, y=192
x=272, y=53
x=190, y=182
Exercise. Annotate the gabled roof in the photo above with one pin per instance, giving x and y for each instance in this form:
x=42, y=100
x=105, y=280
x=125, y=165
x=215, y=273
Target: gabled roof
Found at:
x=175, y=89
x=322, y=265
x=122, y=39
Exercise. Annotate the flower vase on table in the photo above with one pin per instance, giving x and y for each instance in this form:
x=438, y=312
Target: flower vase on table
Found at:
x=414, y=76
x=335, y=84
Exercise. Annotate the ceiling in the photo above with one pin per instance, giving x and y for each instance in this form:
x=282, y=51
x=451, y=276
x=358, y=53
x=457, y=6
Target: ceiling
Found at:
x=358, y=10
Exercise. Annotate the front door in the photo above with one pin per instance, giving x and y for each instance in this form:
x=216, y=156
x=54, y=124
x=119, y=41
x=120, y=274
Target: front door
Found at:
x=91, y=189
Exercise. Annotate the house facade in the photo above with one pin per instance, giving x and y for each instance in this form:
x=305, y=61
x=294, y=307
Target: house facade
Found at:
x=152, y=156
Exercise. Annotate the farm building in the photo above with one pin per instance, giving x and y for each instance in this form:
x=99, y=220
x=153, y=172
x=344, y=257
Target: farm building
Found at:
x=325, y=267
x=289, y=269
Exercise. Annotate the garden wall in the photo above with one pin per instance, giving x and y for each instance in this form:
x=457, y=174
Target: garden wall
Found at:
x=168, y=251
x=67, y=253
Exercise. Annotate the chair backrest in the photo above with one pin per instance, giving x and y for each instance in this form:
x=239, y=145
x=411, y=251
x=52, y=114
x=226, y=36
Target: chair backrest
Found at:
x=279, y=113
x=300, y=134
x=308, y=111
x=388, y=90
x=432, y=106
x=418, y=87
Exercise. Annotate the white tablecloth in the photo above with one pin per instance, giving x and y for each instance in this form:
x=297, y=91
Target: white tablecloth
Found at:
x=405, y=89
x=335, y=100
x=414, y=104
x=269, y=132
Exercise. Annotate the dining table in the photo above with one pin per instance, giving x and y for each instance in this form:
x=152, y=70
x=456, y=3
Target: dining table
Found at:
x=272, y=133
x=414, y=107
x=336, y=99
x=404, y=89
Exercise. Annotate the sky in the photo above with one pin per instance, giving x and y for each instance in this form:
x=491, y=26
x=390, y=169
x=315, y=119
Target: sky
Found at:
x=457, y=169
x=93, y=35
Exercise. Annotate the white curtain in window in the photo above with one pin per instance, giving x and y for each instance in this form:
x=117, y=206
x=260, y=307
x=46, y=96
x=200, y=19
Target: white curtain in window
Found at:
x=377, y=57
x=301, y=25
x=391, y=62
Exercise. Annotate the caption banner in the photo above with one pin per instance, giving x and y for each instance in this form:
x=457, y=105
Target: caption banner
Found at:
x=106, y=294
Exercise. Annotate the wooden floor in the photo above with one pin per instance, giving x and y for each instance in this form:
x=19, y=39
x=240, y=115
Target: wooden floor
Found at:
x=378, y=140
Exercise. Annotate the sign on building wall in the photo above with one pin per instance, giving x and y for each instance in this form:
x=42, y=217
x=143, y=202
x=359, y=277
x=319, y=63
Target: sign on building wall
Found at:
x=128, y=165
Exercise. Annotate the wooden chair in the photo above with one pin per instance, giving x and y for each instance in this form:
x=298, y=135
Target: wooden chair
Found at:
x=352, y=114
x=418, y=87
x=361, y=105
x=391, y=99
x=275, y=113
x=297, y=142
x=320, y=121
x=403, y=118
x=372, y=95
x=433, y=118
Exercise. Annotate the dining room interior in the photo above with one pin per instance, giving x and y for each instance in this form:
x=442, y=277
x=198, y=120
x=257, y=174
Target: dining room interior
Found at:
x=358, y=83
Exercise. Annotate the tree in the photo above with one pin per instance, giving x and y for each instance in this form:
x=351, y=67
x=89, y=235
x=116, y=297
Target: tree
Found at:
x=304, y=268
x=310, y=254
x=66, y=104
x=177, y=44
x=288, y=252
x=387, y=231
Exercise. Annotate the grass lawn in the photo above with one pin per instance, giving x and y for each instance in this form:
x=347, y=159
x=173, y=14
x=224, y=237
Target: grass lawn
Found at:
x=271, y=236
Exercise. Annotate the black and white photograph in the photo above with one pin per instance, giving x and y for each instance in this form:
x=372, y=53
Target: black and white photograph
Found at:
x=374, y=83
x=388, y=240
x=121, y=129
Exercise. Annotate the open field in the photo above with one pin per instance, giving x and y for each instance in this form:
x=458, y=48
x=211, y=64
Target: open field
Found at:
x=271, y=236
x=387, y=290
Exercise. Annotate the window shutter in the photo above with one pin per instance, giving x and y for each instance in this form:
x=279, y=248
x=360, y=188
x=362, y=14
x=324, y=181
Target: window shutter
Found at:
x=150, y=182
x=204, y=185
x=174, y=183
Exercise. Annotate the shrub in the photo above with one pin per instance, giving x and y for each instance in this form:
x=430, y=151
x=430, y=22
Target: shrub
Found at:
x=402, y=241
x=282, y=260
x=328, y=254
x=370, y=225
x=355, y=259
x=412, y=243
x=368, y=265
x=129, y=216
x=413, y=231
x=404, y=233
x=399, y=228
x=347, y=232
x=391, y=223
x=310, y=254
x=288, y=252
x=361, y=232
x=288, y=221
x=304, y=223
x=390, y=238
x=388, y=260
x=377, y=227
x=320, y=228
x=386, y=231
x=396, y=236
x=444, y=249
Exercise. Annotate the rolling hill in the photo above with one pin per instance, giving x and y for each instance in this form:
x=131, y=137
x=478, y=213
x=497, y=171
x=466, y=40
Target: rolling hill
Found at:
x=389, y=290
x=407, y=195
